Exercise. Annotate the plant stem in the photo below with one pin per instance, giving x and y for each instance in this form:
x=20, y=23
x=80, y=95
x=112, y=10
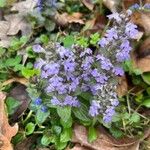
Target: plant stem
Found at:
x=141, y=3
x=128, y=103
x=28, y=116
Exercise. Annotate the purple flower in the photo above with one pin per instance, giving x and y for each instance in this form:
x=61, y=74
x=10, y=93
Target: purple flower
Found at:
x=103, y=42
x=147, y=6
x=55, y=101
x=39, y=63
x=107, y=118
x=86, y=51
x=101, y=79
x=94, y=108
x=38, y=101
x=52, y=68
x=131, y=30
x=56, y=81
x=49, y=88
x=62, y=89
x=118, y=71
x=44, y=74
x=125, y=46
x=115, y=102
x=95, y=73
x=73, y=85
x=69, y=66
x=115, y=16
x=122, y=56
x=38, y=49
x=135, y=6
x=71, y=101
x=63, y=52
x=111, y=34
x=44, y=109
x=105, y=63
x=86, y=65
x=39, y=4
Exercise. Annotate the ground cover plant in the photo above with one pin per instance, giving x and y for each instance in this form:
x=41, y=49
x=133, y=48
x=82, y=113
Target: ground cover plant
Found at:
x=74, y=74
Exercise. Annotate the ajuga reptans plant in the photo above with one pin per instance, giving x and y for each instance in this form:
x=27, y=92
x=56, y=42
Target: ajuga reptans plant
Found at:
x=67, y=72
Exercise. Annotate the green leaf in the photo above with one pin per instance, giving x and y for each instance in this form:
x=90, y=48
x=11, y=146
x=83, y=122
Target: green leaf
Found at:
x=92, y=135
x=2, y=3
x=67, y=124
x=94, y=38
x=86, y=95
x=64, y=113
x=41, y=116
x=18, y=138
x=61, y=145
x=23, y=40
x=11, y=104
x=137, y=71
x=66, y=135
x=44, y=39
x=29, y=65
x=30, y=127
x=47, y=139
x=148, y=90
x=10, y=62
x=28, y=73
x=68, y=41
x=82, y=113
x=2, y=51
x=146, y=103
x=49, y=25
x=57, y=129
x=116, y=132
x=146, y=77
x=82, y=41
x=135, y=118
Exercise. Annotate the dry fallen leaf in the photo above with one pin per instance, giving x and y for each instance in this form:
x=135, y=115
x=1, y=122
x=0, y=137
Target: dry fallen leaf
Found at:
x=6, y=131
x=97, y=24
x=142, y=19
x=78, y=147
x=64, y=19
x=141, y=57
x=88, y=4
x=27, y=143
x=122, y=87
x=20, y=94
x=16, y=22
x=104, y=140
x=112, y=5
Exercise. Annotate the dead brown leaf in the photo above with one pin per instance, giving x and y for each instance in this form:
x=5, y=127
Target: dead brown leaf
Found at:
x=104, y=140
x=112, y=5
x=128, y=3
x=78, y=147
x=26, y=143
x=88, y=4
x=65, y=19
x=97, y=24
x=20, y=94
x=122, y=87
x=141, y=57
x=142, y=19
x=6, y=131
x=16, y=22
x=23, y=81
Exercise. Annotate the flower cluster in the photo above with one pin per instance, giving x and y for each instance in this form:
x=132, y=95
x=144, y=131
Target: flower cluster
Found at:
x=67, y=71
x=137, y=6
x=114, y=49
x=49, y=3
x=38, y=102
